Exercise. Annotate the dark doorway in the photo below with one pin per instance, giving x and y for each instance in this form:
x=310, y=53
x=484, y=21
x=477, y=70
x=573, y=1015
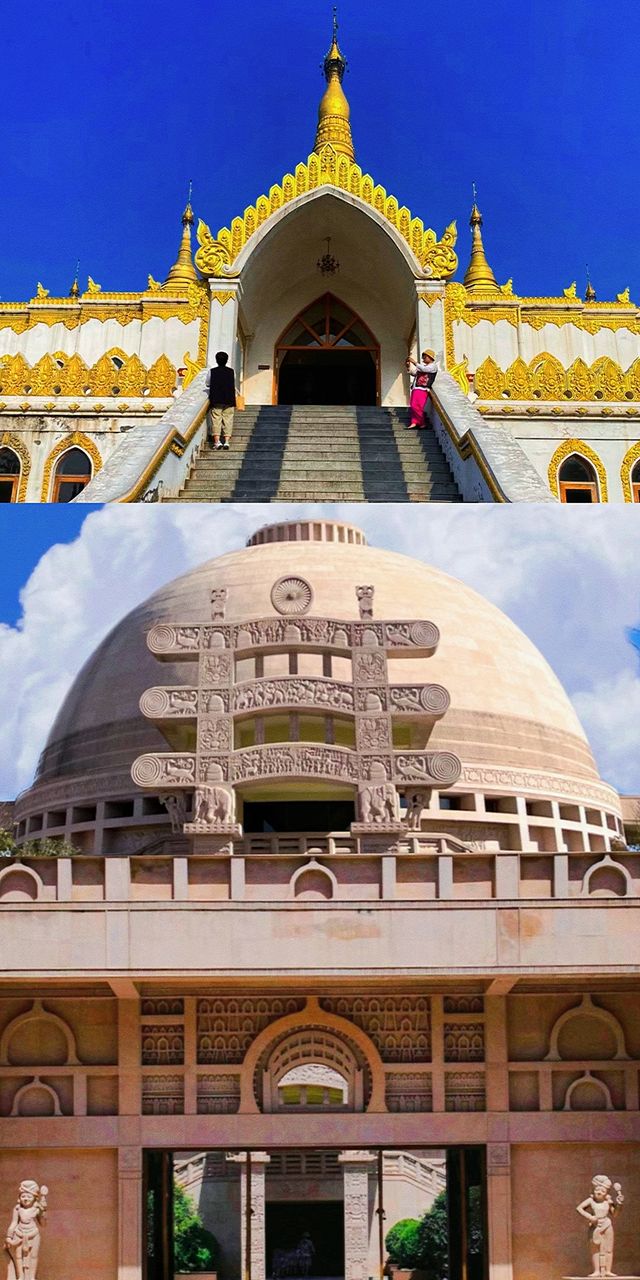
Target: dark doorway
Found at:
x=327, y=355
x=335, y=377
x=287, y=1222
x=298, y=815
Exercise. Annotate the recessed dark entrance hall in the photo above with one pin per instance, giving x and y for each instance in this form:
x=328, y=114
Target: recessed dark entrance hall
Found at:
x=287, y=1223
x=327, y=355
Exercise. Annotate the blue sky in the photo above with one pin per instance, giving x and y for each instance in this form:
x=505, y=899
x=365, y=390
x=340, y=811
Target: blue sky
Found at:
x=111, y=109
x=568, y=576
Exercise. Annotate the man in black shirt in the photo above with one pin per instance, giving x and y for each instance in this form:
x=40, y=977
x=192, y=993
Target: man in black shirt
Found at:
x=222, y=400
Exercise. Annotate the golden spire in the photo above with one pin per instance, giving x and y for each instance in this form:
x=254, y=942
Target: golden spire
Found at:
x=334, y=112
x=590, y=294
x=183, y=271
x=479, y=277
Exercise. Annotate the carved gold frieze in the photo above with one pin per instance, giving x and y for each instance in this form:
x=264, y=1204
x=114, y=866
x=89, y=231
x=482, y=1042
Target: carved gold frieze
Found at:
x=545, y=378
x=565, y=450
x=113, y=374
x=163, y=303
x=217, y=254
x=75, y=439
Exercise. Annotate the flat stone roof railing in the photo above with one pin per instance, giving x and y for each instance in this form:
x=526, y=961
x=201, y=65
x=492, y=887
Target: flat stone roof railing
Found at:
x=157, y=457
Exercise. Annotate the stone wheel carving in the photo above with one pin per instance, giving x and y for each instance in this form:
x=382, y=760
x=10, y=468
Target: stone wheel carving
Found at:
x=425, y=634
x=292, y=596
x=146, y=771
x=155, y=702
x=445, y=767
x=435, y=699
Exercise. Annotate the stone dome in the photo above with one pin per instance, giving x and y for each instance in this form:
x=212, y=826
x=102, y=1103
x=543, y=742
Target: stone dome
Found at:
x=508, y=710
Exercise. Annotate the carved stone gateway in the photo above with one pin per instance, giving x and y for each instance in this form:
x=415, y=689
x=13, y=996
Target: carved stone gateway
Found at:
x=227, y=712
x=357, y=1167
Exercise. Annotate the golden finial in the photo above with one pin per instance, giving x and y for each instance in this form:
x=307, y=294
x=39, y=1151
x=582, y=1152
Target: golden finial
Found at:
x=183, y=271
x=479, y=277
x=74, y=291
x=334, y=126
x=590, y=293
x=41, y=292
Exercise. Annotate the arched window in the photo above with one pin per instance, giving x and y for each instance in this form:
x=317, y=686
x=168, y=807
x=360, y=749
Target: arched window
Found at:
x=578, y=481
x=72, y=473
x=9, y=475
x=635, y=482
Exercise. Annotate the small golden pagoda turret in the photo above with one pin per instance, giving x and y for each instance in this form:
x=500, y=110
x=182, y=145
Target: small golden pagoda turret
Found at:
x=334, y=114
x=590, y=294
x=479, y=277
x=183, y=271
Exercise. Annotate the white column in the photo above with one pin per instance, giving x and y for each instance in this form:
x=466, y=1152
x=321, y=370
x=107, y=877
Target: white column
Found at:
x=130, y=1213
x=356, y=1167
x=259, y=1162
x=430, y=317
x=223, y=320
x=499, y=1211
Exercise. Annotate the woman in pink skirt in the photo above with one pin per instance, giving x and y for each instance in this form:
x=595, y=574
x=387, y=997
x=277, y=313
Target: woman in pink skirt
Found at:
x=423, y=376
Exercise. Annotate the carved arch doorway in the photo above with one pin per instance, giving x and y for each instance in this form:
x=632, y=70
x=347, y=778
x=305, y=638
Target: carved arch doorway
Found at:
x=327, y=355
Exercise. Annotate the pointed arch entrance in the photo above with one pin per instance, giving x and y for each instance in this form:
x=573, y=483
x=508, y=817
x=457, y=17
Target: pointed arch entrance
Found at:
x=327, y=355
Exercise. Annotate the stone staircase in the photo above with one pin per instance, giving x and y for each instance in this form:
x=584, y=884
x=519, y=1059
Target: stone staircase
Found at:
x=322, y=453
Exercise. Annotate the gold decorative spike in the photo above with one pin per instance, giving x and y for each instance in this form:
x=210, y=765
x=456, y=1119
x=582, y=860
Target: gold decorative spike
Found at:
x=547, y=377
x=608, y=379
x=438, y=259
x=161, y=378
x=580, y=381
x=489, y=381
x=183, y=271
x=132, y=377
x=45, y=375
x=334, y=113
x=103, y=377
x=479, y=277
x=624, y=297
x=570, y=291
x=517, y=381
x=15, y=376
x=74, y=377
x=74, y=291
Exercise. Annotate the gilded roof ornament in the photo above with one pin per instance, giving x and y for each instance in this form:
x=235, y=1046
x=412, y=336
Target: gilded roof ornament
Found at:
x=213, y=255
x=334, y=113
x=183, y=271
x=624, y=297
x=41, y=292
x=93, y=288
x=571, y=290
x=479, y=277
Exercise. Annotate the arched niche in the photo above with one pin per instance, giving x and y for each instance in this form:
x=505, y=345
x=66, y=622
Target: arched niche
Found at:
x=36, y=1099
x=313, y=883
x=586, y=1032
x=312, y=1036
x=607, y=879
x=587, y=1093
x=38, y=1038
x=19, y=884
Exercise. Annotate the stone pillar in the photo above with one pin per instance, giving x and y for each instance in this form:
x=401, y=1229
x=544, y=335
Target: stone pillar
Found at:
x=430, y=317
x=259, y=1162
x=130, y=1213
x=499, y=1211
x=356, y=1167
x=223, y=320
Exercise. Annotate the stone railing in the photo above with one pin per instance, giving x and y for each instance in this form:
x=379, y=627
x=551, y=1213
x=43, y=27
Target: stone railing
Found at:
x=488, y=465
x=155, y=460
x=428, y=869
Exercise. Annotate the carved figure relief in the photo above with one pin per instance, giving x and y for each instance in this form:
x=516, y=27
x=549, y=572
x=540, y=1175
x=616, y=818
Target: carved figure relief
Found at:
x=365, y=601
x=369, y=668
x=600, y=1209
x=215, y=735
x=218, y=604
x=373, y=733
x=176, y=807
x=378, y=804
x=417, y=802
x=214, y=808
x=23, y=1237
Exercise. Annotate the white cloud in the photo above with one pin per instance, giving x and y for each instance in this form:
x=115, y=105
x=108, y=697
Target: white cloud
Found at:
x=569, y=577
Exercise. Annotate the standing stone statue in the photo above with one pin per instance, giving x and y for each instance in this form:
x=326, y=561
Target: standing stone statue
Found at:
x=600, y=1209
x=23, y=1236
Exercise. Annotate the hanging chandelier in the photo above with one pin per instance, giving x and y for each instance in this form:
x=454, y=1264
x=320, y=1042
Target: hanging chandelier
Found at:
x=327, y=264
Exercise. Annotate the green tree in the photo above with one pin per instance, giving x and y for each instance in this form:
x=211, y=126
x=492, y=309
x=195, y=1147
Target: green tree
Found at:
x=402, y=1242
x=433, y=1240
x=51, y=847
x=194, y=1248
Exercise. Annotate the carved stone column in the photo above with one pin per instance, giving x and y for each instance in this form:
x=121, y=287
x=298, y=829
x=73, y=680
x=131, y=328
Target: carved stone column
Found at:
x=223, y=319
x=130, y=1213
x=259, y=1162
x=357, y=1167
